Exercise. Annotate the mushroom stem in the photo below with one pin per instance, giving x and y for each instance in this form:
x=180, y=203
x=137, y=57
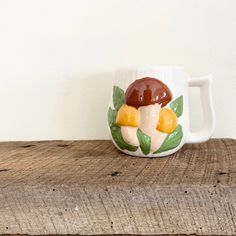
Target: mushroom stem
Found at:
x=157, y=139
x=129, y=134
x=149, y=118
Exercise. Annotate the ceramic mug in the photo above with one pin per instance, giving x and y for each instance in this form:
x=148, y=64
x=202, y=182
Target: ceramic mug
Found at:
x=149, y=110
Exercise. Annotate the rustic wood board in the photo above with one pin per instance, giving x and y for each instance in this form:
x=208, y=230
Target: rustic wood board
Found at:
x=88, y=187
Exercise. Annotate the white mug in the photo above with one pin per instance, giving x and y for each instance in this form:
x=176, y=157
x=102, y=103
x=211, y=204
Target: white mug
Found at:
x=149, y=111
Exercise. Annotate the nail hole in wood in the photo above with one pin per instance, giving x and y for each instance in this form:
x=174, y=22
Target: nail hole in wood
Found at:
x=63, y=145
x=115, y=173
x=27, y=146
x=222, y=173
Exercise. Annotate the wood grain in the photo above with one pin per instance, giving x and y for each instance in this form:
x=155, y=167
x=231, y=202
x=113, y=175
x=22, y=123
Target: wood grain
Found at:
x=88, y=187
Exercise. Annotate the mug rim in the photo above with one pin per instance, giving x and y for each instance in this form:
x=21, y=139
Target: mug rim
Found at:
x=145, y=67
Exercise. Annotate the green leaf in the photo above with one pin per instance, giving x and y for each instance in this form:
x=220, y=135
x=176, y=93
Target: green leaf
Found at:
x=177, y=106
x=172, y=140
x=111, y=116
x=145, y=142
x=117, y=137
x=118, y=97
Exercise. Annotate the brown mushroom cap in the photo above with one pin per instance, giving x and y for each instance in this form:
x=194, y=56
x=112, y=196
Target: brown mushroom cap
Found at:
x=147, y=91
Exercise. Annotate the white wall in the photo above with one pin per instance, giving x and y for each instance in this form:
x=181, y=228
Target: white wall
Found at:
x=57, y=59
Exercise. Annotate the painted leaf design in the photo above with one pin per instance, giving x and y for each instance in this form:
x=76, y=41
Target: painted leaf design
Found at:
x=111, y=116
x=177, y=106
x=118, y=97
x=172, y=140
x=145, y=141
x=117, y=137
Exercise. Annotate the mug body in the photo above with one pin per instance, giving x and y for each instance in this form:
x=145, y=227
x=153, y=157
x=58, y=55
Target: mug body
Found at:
x=148, y=114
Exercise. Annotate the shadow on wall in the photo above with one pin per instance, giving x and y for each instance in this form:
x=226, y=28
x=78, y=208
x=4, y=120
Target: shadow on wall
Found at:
x=83, y=106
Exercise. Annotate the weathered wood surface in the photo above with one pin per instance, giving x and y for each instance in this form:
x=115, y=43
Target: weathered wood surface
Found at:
x=88, y=187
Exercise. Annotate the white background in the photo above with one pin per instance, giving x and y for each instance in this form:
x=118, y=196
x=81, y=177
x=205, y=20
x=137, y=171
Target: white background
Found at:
x=57, y=60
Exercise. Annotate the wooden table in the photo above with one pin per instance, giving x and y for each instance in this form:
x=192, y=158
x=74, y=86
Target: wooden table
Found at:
x=88, y=187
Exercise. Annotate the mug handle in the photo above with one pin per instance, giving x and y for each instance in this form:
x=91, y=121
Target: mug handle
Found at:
x=205, y=84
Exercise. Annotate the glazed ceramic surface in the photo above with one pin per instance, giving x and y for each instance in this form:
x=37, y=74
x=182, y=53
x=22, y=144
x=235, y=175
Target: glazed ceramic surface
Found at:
x=148, y=114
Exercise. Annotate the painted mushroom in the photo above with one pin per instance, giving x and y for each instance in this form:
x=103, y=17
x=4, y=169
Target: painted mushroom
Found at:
x=128, y=119
x=143, y=109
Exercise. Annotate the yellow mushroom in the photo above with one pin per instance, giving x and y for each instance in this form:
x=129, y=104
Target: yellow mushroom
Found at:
x=127, y=118
x=167, y=121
